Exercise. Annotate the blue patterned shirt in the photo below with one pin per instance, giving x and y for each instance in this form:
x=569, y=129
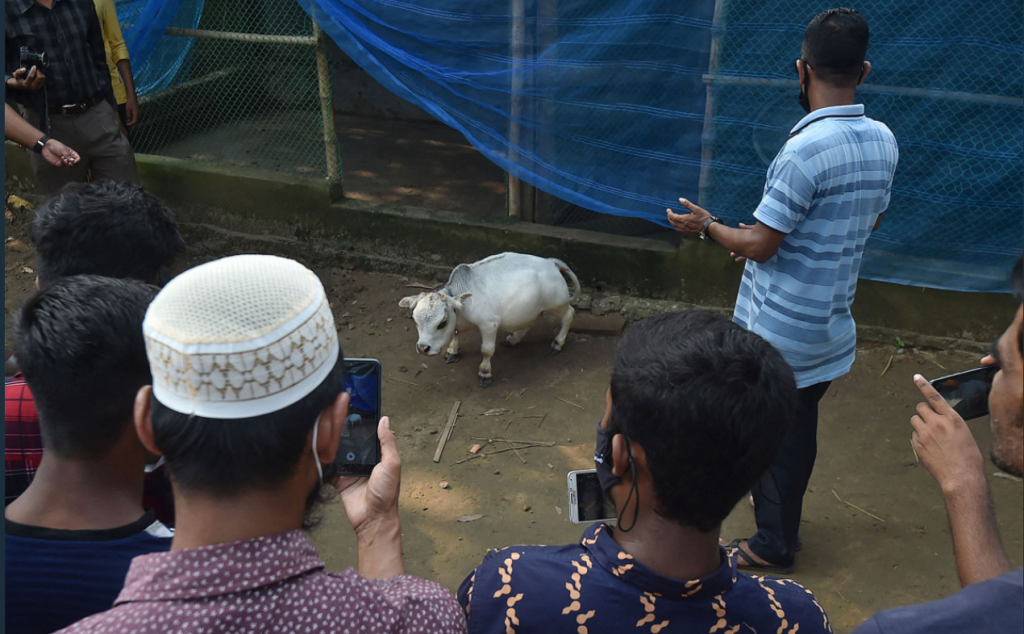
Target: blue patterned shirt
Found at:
x=595, y=586
x=825, y=190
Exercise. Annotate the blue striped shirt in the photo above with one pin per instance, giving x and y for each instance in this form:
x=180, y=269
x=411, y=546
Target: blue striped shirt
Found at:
x=825, y=190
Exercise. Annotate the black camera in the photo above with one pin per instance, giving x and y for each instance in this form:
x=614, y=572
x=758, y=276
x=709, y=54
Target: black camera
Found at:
x=30, y=58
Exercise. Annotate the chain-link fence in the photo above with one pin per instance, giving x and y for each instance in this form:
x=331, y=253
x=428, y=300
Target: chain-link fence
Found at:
x=947, y=81
x=248, y=85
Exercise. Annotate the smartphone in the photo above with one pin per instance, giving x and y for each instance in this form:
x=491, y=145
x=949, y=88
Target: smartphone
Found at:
x=359, y=448
x=967, y=392
x=587, y=502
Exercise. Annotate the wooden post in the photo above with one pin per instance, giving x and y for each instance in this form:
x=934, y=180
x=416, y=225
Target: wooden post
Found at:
x=707, y=152
x=518, y=37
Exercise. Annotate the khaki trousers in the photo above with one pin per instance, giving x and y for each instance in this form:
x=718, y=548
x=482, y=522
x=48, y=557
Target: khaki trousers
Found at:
x=97, y=137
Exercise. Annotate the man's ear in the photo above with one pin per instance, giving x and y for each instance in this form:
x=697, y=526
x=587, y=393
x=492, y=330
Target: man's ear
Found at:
x=620, y=455
x=332, y=423
x=410, y=301
x=37, y=282
x=801, y=70
x=864, y=75
x=143, y=415
x=622, y=450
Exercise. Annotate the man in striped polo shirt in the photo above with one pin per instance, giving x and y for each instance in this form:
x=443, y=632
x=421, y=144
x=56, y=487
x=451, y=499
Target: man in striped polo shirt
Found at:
x=824, y=195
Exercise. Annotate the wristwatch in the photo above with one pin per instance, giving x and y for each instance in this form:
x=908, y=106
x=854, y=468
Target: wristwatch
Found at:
x=38, y=147
x=704, y=235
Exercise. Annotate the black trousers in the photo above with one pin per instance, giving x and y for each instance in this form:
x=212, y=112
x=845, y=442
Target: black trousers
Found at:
x=779, y=494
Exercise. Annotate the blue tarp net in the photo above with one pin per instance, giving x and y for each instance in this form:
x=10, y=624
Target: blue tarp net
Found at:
x=603, y=104
x=158, y=60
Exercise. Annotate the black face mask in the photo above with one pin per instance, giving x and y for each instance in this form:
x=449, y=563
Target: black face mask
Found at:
x=607, y=479
x=802, y=99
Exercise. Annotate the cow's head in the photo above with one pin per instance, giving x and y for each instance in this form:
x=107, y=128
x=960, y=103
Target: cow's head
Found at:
x=434, y=314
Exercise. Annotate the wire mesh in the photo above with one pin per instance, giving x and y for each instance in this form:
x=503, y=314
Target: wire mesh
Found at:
x=246, y=92
x=947, y=81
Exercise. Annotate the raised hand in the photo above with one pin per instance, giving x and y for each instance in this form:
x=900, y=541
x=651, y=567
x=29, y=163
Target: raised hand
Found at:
x=944, y=443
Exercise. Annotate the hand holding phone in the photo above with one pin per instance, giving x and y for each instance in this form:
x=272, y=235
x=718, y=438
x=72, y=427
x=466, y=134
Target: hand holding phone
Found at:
x=371, y=505
x=944, y=443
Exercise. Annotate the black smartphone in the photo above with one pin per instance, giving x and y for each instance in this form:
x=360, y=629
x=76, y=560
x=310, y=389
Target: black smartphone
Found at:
x=359, y=448
x=587, y=502
x=967, y=392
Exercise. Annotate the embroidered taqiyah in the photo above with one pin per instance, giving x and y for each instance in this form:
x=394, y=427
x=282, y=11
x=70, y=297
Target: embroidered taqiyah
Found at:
x=240, y=337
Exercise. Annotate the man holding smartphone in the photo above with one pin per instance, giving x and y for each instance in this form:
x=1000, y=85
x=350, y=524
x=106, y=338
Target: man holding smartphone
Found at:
x=992, y=599
x=696, y=411
x=825, y=193
x=247, y=406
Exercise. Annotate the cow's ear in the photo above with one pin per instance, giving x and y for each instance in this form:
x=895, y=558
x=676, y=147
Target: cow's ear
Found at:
x=457, y=301
x=410, y=301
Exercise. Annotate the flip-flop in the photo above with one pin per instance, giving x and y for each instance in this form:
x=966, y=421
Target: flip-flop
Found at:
x=743, y=560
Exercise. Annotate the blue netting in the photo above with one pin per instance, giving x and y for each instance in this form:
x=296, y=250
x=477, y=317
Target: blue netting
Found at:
x=603, y=104
x=158, y=61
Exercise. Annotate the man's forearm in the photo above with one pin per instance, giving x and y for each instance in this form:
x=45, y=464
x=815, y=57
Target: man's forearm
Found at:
x=18, y=130
x=976, y=542
x=380, y=549
x=124, y=67
x=740, y=241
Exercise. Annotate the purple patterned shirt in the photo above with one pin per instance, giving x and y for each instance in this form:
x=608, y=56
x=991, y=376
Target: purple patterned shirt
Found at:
x=273, y=583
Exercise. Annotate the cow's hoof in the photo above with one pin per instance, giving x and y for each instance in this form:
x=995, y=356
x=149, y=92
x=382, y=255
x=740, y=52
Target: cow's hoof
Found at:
x=451, y=358
x=485, y=381
x=553, y=351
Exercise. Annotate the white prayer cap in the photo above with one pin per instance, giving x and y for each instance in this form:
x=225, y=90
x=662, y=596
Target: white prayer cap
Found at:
x=240, y=337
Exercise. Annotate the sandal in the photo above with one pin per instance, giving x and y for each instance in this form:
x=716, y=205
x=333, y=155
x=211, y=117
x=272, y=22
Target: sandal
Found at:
x=744, y=560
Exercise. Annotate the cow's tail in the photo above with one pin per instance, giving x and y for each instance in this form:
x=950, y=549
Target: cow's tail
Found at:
x=566, y=271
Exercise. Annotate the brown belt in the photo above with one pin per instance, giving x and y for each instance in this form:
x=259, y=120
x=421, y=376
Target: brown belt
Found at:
x=70, y=109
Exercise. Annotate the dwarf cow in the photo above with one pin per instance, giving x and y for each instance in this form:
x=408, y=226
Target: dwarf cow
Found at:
x=507, y=291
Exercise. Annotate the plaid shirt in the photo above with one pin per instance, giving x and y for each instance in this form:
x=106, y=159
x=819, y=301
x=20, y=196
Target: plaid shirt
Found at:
x=23, y=447
x=70, y=35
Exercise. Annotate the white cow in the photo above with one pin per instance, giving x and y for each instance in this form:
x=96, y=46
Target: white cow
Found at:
x=507, y=291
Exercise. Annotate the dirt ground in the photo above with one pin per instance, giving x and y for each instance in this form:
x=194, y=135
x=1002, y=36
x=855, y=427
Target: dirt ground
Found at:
x=892, y=550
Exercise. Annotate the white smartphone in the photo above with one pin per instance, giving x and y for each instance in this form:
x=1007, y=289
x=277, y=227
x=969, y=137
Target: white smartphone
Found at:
x=587, y=502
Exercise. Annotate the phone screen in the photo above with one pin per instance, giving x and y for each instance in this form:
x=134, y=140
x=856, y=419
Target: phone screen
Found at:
x=967, y=392
x=591, y=504
x=359, y=448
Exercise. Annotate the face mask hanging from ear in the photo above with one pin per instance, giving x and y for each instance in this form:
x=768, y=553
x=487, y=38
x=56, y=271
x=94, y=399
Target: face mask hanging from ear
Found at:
x=802, y=99
x=607, y=479
x=316, y=456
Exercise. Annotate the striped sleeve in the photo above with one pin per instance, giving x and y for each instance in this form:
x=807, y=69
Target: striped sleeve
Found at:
x=787, y=194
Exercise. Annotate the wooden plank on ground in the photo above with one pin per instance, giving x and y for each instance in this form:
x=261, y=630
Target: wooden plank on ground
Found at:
x=447, y=431
x=605, y=325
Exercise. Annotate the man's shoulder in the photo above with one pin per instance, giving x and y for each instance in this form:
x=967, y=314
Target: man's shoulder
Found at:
x=995, y=605
x=532, y=556
x=784, y=596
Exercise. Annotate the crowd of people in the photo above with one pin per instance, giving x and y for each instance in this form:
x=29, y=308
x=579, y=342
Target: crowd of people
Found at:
x=167, y=437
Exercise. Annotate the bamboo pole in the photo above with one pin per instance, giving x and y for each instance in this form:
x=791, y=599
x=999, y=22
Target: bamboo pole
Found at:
x=518, y=37
x=323, y=75
x=707, y=152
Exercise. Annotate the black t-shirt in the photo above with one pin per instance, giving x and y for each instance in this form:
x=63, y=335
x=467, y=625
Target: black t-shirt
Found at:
x=992, y=607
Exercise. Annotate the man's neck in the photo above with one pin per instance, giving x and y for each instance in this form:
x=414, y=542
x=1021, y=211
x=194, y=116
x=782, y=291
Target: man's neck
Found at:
x=204, y=520
x=671, y=550
x=828, y=97
x=75, y=494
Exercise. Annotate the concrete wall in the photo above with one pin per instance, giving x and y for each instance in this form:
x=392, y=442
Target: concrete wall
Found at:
x=355, y=92
x=308, y=215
